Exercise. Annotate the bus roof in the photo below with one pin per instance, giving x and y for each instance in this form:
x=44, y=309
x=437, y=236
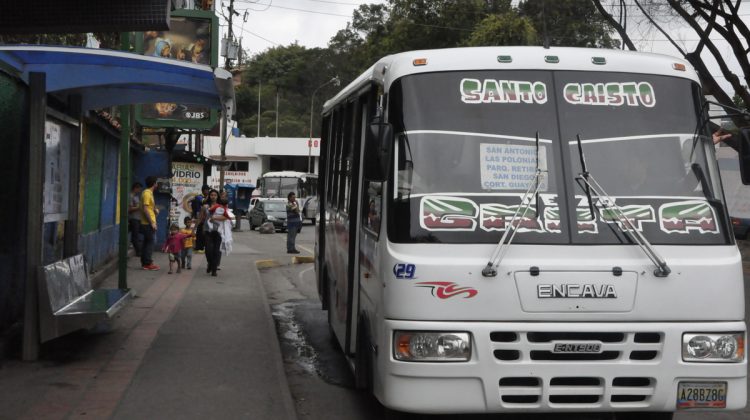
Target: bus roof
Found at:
x=390, y=68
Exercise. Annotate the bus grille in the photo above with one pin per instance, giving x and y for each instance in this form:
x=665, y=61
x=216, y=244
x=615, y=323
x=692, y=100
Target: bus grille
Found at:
x=510, y=347
x=528, y=392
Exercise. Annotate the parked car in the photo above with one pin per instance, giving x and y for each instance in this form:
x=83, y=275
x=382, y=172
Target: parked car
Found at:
x=268, y=210
x=741, y=227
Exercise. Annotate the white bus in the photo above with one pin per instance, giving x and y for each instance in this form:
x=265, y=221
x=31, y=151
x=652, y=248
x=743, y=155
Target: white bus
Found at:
x=304, y=185
x=520, y=229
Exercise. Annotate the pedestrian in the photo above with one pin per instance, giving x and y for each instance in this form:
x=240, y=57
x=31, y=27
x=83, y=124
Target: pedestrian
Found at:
x=221, y=232
x=134, y=217
x=293, y=223
x=196, y=205
x=211, y=236
x=174, y=246
x=186, y=257
x=148, y=224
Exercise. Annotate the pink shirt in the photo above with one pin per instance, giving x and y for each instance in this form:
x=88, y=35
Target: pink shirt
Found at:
x=174, y=243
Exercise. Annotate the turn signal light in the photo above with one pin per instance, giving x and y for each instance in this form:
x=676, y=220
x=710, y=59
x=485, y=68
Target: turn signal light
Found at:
x=420, y=62
x=678, y=66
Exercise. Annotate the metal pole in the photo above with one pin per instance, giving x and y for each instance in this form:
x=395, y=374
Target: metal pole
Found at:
x=334, y=80
x=35, y=212
x=309, y=141
x=223, y=134
x=223, y=131
x=258, y=135
x=122, y=263
x=122, y=257
x=277, y=112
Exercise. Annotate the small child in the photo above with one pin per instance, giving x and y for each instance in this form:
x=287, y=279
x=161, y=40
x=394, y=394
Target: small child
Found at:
x=186, y=256
x=174, y=245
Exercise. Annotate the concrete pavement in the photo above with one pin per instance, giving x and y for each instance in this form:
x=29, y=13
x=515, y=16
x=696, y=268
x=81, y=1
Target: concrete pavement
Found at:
x=189, y=346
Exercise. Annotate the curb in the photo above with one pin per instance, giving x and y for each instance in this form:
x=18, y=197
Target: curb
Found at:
x=261, y=264
x=303, y=260
x=286, y=393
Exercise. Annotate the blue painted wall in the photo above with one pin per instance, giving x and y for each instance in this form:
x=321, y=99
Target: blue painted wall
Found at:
x=100, y=235
x=156, y=163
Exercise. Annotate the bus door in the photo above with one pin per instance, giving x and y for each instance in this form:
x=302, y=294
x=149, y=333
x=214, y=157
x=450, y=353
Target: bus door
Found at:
x=343, y=256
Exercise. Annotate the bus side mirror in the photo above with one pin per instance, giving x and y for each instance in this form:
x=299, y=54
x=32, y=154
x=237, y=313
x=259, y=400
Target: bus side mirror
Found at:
x=743, y=149
x=381, y=139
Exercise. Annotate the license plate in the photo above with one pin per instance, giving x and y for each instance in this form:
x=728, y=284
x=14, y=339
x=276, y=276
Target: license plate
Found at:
x=702, y=395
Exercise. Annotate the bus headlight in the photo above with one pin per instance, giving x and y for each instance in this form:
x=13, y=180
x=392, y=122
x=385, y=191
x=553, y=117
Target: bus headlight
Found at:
x=432, y=346
x=721, y=347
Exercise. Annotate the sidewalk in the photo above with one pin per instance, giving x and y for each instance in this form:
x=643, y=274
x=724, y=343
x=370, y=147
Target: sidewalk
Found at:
x=189, y=346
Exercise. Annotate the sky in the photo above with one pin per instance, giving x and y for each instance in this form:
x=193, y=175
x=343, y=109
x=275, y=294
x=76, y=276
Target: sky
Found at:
x=312, y=23
x=267, y=23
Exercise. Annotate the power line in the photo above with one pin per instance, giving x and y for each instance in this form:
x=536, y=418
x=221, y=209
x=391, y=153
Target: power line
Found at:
x=297, y=10
x=259, y=36
x=337, y=2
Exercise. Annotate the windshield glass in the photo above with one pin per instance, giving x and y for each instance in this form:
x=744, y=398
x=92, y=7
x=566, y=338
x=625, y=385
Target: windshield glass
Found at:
x=466, y=153
x=640, y=145
x=271, y=206
x=280, y=186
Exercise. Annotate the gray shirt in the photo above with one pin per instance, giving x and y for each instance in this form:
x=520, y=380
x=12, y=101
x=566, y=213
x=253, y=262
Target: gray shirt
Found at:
x=135, y=201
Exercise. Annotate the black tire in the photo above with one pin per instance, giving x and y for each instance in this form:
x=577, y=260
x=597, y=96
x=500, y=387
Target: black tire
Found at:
x=644, y=416
x=363, y=363
x=252, y=226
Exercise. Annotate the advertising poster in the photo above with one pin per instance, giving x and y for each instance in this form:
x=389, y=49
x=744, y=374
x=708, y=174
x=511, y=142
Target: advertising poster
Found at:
x=192, y=38
x=187, y=179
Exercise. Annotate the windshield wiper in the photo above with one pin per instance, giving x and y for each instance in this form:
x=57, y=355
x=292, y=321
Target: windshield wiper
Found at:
x=490, y=269
x=625, y=225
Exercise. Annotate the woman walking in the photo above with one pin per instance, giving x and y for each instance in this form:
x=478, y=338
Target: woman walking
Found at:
x=211, y=238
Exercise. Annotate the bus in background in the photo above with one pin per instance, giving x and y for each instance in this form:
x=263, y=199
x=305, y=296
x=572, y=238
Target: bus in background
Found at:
x=521, y=229
x=280, y=184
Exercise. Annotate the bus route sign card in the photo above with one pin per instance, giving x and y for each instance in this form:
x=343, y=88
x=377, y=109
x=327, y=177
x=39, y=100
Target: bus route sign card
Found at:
x=701, y=395
x=511, y=166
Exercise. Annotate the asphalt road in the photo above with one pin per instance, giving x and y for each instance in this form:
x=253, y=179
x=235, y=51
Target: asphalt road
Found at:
x=317, y=373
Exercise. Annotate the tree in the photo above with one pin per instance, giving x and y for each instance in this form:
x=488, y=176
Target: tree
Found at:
x=710, y=21
x=505, y=29
x=571, y=23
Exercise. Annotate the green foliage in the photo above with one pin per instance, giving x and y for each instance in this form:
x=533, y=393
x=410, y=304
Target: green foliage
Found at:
x=570, y=23
x=505, y=29
x=377, y=30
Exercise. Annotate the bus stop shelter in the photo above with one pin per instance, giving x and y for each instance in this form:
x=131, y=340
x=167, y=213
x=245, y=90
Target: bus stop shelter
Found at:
x=88, y=79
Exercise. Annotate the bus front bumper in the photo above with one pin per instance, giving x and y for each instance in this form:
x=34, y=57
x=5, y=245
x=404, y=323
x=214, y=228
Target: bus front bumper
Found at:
x=639, y=368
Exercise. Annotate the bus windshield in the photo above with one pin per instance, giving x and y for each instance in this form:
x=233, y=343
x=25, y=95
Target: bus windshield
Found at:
x=466, y=154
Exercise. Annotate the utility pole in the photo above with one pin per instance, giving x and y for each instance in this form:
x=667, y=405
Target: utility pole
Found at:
x=228, y=66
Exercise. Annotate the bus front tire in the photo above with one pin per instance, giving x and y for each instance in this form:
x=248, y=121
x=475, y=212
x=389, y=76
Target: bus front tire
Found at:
x=363, y=359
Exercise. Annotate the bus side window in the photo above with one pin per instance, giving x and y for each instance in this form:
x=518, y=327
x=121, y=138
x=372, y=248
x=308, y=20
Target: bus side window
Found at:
x=373, y=206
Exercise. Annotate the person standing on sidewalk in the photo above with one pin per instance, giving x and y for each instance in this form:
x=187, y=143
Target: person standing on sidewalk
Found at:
x=210, y=236
x=293, y=223
x=134, y=217
x=148, y=224
x=196, y=207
